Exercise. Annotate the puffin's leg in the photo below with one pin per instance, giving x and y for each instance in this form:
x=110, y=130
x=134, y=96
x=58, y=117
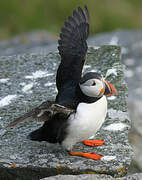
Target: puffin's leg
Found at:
x=93, y=142
x=88, y=155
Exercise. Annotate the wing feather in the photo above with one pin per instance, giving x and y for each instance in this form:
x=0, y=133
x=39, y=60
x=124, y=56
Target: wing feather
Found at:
x=41, y=113
x=73, y=47
x=34, y=114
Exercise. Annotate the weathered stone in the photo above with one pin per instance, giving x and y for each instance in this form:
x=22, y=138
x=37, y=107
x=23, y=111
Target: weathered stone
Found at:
x=81, y=177
x=32, y=42
x=93, y=177
x=26, y=81
x=131, y=45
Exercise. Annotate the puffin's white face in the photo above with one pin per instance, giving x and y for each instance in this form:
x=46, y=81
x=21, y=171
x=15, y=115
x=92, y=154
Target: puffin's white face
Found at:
x=93, y=87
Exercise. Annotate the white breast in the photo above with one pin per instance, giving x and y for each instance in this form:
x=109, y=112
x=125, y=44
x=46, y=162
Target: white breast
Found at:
x=85, y=122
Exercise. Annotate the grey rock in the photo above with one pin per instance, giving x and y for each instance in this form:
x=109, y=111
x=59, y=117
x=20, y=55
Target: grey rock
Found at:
x=29, y=79
x=80, y=177
x=131, y=45
x=93, y=177
x=31, y=42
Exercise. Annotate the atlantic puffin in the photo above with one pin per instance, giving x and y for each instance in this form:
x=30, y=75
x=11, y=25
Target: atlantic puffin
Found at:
x=80, y=107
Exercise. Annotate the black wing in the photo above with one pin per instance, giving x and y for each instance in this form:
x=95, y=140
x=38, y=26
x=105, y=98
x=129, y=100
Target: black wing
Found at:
x=73, y=47
x=41, y=113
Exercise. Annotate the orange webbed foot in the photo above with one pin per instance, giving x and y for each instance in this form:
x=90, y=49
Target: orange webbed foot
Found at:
x=88, y=155
x=93, y=142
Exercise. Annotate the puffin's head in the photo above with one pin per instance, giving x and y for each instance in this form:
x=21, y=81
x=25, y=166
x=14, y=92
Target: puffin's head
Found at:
x=93, y=85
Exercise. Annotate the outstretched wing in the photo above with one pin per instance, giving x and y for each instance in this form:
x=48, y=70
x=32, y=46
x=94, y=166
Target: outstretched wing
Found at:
x=35, y=114
x=41, y=113
x=73, y=47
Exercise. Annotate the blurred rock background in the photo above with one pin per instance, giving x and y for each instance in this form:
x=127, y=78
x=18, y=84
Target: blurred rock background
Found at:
x=113, y=22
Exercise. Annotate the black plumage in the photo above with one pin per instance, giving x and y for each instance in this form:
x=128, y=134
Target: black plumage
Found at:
x=53, y=131
x=90, y=75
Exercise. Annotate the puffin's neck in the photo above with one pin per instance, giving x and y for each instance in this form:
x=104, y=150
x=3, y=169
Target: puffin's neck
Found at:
x=83, y=98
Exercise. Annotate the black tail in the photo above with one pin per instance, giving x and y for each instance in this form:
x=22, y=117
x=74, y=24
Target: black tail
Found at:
x=37, y=135
x=52, y=131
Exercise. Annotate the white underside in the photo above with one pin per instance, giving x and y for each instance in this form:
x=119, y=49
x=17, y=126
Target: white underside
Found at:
x=85, y=122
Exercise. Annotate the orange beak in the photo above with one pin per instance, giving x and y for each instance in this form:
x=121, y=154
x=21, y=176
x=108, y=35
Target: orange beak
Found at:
x=109, y=89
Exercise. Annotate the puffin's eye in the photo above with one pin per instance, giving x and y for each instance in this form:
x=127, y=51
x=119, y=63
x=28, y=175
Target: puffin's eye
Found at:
x=93, y=84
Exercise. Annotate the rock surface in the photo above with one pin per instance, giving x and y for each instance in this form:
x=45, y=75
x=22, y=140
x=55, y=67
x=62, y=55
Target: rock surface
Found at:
x=26, y=81
x=131, y=45
x=93, y=177
x=35, y=41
